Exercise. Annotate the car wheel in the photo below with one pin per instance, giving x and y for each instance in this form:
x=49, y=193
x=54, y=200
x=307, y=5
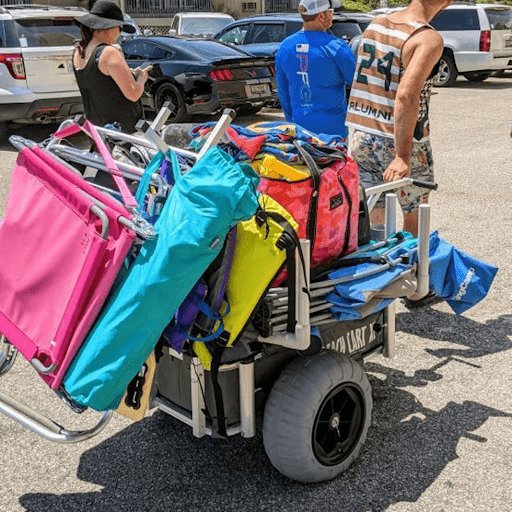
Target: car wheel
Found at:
x=317, y=417
x=447, y=73
x=169, y=92
x=477, y=76
x=248, y=109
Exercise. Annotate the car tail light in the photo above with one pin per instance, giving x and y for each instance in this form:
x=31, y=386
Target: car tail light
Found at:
x=14, y=63
x=485, y=40
x=221, y=75
x=272, y=70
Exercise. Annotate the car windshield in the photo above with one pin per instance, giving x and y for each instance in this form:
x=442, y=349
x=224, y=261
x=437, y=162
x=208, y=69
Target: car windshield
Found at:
x=499, y=19
x=202, y=26
x=47, y=32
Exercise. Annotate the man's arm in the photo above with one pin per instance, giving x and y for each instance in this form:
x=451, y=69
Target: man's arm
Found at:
x=419, y=55
x=344, y=59
x=283, y=89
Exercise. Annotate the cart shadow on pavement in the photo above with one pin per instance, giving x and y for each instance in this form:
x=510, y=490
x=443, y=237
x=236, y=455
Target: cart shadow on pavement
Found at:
x=157, y=465
x=479, y=339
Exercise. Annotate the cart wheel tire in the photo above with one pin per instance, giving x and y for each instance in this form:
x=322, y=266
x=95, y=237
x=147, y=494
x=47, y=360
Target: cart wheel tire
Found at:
x=477, y=76
x=317, y=417
x=447, y=74
x=169, y=92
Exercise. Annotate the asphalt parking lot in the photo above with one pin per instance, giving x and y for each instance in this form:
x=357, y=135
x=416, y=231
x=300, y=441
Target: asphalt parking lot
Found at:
x=440, y=438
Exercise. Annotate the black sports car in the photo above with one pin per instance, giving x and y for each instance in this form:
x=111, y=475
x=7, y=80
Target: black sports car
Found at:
x=201, y=76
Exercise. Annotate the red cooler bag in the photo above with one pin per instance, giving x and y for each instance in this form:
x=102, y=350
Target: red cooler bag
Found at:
x=325, y=205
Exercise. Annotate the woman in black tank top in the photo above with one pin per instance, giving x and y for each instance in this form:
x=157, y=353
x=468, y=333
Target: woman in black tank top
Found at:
x=110, y=90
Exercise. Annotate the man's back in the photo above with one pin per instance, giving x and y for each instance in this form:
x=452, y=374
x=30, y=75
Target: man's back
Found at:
x=312, y=69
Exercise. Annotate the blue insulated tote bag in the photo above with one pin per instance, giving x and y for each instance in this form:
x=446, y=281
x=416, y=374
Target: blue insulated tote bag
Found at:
x=202, y=207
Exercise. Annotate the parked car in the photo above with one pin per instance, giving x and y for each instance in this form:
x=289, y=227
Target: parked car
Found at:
x=262, y=35
x=477, y=41
x=363, y=19
x=201, y=76
x=199, y=23
x=137, y=31
x=37, y=83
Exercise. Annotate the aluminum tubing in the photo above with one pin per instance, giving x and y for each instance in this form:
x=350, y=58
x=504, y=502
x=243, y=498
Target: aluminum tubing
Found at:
x=301, y=338
x=45, y=427
x=423, y=253
x=247, y=400
x=390, y=224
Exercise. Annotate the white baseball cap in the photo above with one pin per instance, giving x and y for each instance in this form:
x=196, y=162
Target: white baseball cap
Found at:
x=311, y=7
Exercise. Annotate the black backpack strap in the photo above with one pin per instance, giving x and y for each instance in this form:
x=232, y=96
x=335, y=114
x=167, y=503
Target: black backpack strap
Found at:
x=349, y=215
x=289, y=241
x=313, y=204
x=219, y=422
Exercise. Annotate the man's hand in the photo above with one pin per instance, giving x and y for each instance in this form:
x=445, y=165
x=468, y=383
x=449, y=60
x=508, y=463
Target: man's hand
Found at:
x=397, y=170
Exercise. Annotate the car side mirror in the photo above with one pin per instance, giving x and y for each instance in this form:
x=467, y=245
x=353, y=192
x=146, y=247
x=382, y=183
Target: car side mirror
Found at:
x=148, y=32
x=172, y=32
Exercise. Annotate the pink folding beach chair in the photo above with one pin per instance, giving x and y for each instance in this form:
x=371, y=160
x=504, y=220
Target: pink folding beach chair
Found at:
x=62, y=244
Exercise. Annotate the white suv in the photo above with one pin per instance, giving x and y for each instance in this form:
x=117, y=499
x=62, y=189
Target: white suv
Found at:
x=477, y=40
x=198, y=23
x=37, y=83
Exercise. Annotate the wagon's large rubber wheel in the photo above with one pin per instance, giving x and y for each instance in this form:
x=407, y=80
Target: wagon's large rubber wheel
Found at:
x=317, y=417
x=169, y=92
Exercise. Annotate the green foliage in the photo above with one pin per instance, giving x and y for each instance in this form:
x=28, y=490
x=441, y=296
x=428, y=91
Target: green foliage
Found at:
x=369, y=5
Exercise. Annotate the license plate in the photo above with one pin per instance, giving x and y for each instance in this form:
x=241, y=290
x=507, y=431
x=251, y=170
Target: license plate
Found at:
x=257, y=90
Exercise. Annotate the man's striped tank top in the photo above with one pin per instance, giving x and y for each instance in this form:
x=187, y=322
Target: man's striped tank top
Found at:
x=379, y=68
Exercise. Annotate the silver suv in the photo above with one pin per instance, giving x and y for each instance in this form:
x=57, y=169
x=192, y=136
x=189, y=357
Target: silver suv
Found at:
x=37, y=83
x=477, y=40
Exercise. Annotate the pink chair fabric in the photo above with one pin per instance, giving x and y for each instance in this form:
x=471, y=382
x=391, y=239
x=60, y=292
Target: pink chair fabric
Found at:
x=56, y=269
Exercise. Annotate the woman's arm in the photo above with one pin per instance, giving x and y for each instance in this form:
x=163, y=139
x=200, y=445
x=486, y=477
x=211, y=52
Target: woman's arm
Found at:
x=112, y=63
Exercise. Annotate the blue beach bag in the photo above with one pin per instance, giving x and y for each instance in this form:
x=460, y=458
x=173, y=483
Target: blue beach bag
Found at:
x=202, y=207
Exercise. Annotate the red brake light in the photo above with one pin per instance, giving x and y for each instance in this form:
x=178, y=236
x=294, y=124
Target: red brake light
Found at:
x=221, y=75
x=14, y=63
x=272, y=70
x=485, y=40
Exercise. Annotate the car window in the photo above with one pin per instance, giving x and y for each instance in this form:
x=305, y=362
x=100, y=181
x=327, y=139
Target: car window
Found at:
x=499, y=19
x=268, y=33
x=10, y=34
x=145, y=50
x=235, y=35
x=456, y=19
x=47, y=32
x=363, y=25
x=203, y=25
x=292, y=27
x=346, y=30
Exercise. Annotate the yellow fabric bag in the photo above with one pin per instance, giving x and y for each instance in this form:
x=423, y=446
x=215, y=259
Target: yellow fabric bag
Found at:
x=260, y=252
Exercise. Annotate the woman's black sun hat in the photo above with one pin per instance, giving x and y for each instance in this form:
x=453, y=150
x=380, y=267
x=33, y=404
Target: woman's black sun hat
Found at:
x=104, y=15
